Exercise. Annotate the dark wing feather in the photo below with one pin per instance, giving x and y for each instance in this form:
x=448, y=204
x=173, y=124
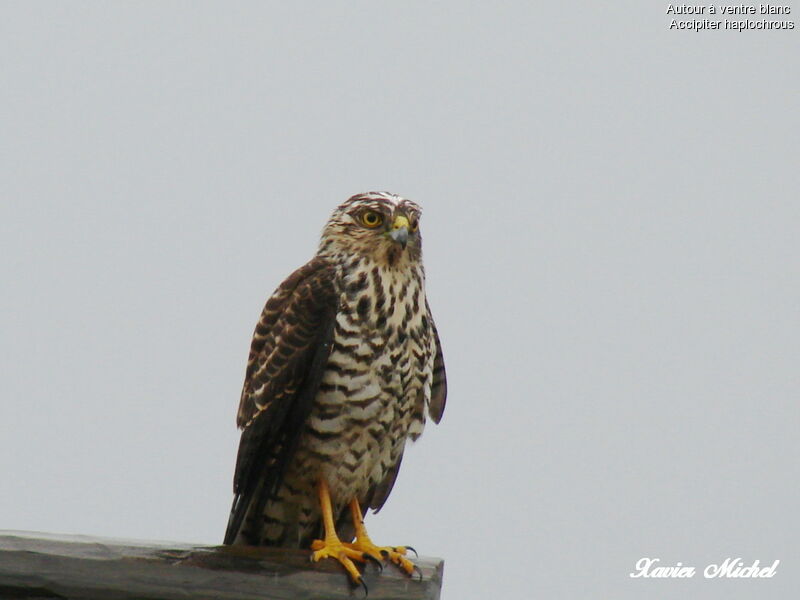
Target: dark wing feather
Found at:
x=439, y=385
x=380, y=493
x=288, y=355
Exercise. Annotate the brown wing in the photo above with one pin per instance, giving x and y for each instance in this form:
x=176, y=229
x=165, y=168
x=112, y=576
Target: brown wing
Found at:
x=439, y=385
x=288, y=354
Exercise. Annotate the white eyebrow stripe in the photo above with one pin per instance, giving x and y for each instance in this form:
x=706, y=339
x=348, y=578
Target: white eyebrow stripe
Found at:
x=380, y=200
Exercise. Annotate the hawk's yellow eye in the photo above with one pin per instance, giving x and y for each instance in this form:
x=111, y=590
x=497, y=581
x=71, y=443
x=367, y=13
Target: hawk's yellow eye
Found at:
x=371, y=219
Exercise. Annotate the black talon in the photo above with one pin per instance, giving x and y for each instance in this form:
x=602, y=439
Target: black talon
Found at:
x=373, y=560
x=364, y=585
x=416, y=569
x=412, y=549
x=384, y=554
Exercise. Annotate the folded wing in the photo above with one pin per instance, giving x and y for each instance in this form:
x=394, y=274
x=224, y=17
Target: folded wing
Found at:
x=290, y=349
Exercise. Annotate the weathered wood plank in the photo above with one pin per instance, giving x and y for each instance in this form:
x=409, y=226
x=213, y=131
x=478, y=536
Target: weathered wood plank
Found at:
x=34, y=565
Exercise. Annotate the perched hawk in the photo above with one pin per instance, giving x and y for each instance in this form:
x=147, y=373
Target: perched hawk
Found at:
x=344, y=365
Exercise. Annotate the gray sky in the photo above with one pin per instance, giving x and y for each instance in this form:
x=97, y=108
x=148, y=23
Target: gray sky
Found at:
x=611, y=217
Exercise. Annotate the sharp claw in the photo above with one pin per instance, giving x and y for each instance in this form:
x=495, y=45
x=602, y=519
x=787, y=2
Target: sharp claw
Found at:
x=373, y=560
x=364, y=585
x=416, y=569
x=412, y=549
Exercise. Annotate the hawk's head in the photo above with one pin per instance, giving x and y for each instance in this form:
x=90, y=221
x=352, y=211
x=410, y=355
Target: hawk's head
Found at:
x=376, y=225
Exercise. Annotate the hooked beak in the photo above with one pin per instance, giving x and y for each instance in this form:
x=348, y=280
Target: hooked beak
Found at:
x=399, y=230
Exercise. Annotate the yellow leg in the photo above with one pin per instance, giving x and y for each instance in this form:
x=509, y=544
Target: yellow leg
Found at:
x=363, y=542
x=332, y=546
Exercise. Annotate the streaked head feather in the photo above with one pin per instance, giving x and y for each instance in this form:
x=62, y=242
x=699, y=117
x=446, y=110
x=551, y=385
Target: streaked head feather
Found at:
x=345, y=236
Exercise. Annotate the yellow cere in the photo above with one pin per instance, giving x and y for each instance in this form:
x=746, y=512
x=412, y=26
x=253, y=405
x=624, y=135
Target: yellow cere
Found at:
x=400, y=221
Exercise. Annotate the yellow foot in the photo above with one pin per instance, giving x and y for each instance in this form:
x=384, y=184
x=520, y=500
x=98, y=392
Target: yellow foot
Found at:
x=396, y=554
x=341, y=552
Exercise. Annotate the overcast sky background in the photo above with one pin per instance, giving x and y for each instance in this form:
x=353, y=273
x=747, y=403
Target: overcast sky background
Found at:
x=610, y=237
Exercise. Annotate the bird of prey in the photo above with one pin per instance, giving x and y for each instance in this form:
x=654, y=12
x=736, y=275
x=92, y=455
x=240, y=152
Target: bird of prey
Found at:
x=344, y=366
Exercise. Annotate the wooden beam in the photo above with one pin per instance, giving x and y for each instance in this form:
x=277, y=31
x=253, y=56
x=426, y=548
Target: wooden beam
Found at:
x=45, y=566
